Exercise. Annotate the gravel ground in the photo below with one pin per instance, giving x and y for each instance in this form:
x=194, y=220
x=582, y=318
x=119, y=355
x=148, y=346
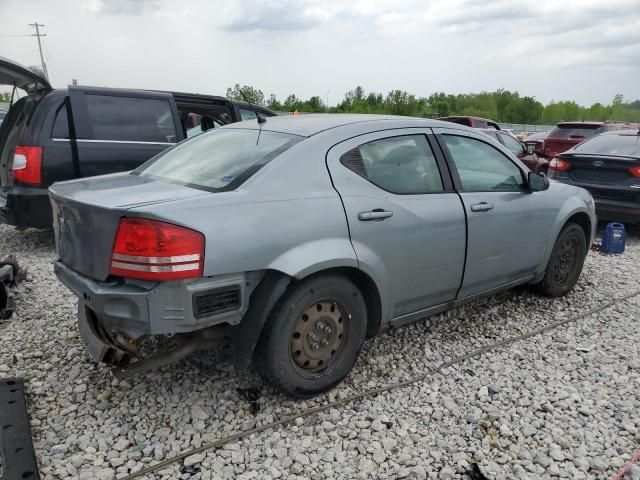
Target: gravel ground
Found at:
x=538, y=408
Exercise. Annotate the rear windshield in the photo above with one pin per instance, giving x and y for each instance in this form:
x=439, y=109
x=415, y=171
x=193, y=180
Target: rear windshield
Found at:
x=219, y=159
x=626, y=145
x=574, y=131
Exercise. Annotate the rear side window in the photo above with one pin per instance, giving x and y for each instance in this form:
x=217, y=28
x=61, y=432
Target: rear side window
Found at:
x=403, y=165
x=482, y=167
x=247, y=114
x=611, y=145
x=574, y=131
x=61, y=125
x=131, y=119
x=219, y=159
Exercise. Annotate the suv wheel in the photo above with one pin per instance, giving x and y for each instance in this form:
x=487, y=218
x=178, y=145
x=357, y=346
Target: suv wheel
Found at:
x=313, y=336
x=565, y=264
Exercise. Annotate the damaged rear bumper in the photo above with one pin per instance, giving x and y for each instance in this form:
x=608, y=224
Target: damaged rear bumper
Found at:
x=114, y=314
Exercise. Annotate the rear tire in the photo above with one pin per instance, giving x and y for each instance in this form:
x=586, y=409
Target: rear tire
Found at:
x=313, y=336
x=565, y=263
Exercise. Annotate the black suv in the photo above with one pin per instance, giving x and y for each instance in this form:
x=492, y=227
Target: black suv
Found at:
x=53, y=135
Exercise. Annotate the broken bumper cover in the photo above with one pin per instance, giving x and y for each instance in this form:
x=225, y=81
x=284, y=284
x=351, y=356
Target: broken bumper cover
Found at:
x=113, y=314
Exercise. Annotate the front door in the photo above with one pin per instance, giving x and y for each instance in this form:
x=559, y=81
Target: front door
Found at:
x=407, y=225
x=507, y=224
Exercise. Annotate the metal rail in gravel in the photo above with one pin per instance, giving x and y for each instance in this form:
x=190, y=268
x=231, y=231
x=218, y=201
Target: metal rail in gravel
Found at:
x=376, y=391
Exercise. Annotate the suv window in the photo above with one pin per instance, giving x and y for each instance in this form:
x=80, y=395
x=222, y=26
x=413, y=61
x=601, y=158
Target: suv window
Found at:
x=220, y=160
x=61, y=125
x=482, y=167
x=401, y=165
x=511, y=143
x=131, y=119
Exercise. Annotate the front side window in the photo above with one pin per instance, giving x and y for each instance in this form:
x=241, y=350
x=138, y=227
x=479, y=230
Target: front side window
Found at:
x=482, y=167
x=130, y=119
x=403, y=165
x=219, y=160
x=512, y=144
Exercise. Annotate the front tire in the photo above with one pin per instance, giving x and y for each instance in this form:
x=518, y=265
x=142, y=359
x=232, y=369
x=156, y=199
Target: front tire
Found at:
x=313, y=336
x=565, y=263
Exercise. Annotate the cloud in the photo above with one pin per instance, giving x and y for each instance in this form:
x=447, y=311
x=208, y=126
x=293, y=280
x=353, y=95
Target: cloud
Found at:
x=120, y=7
x=269, y=15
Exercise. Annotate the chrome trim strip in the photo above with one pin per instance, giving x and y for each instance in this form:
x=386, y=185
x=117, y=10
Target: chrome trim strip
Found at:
x=80, y=140
x=137, y=259
x=183, y=267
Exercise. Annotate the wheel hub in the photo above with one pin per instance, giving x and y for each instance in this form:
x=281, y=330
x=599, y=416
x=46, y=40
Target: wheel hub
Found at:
x=318, y=335
x=567, y=258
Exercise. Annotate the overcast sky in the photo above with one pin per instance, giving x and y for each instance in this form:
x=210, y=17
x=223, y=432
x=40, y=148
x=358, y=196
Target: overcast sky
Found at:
x=582, y=50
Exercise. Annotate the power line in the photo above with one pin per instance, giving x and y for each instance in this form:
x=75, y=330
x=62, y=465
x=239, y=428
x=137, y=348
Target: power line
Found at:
x=38, y=35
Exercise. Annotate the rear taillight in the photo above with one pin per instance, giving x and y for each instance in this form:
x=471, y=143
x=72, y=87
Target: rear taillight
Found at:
x=559, y=165
x=154, y=250
x=27, y=165
x=635, y=171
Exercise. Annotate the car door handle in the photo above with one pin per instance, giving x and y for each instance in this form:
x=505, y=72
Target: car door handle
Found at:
x=481, y=207
x=376, y=214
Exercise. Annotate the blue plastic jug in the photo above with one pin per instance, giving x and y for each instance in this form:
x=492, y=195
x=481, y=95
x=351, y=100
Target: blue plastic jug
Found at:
x=613, y=238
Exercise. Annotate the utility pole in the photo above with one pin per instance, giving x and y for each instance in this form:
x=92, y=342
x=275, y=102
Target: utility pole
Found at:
x=38, y=34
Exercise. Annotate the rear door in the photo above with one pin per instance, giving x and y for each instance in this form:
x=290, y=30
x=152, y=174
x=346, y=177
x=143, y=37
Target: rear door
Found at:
x=407, y=225
x=117, y=130
x=507, y=225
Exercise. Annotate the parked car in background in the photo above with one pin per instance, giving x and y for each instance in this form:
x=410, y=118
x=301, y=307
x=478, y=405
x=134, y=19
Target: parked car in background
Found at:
x=524, y=152
x=567, y=134
x=59, y=134
x=294, y=238
x=608, y=165
x=537, y=141
x=473, y=122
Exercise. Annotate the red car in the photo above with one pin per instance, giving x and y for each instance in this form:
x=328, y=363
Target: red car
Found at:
x=473, y=122
x=566, y=135
x=524, y=152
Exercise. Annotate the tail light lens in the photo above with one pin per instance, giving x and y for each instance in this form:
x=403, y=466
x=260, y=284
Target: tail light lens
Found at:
x=27, y=165
x=559, y=165
x=154, y=250
x=635, y=171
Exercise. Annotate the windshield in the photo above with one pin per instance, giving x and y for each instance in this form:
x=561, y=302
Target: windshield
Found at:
x=574, y=131
x=625, y=145
x=219, y=159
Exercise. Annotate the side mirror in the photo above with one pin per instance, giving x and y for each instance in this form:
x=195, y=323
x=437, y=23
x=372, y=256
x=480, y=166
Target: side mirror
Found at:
x=537, y=182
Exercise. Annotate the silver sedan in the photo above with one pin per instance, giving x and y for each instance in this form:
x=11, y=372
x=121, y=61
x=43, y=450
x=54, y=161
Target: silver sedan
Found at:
x=290, y=240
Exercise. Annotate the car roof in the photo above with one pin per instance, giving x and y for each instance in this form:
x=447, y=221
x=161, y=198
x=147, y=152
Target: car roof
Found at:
x=582, y=122
x=307, y=125
x=632, y=131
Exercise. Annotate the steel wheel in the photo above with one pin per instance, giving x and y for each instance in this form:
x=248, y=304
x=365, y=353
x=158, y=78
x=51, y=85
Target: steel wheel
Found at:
x=568, y=256
x=318, y=336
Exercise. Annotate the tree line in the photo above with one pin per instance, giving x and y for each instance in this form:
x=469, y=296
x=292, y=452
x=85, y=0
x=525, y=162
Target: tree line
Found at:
x=501, y=105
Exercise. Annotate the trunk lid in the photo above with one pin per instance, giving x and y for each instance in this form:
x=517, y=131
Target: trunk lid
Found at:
x=11, y=128
x=86, y=214
x=28, y=79
x=605, y=176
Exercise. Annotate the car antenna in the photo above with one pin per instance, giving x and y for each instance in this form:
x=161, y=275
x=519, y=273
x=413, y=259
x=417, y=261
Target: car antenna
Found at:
x=259, y=117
